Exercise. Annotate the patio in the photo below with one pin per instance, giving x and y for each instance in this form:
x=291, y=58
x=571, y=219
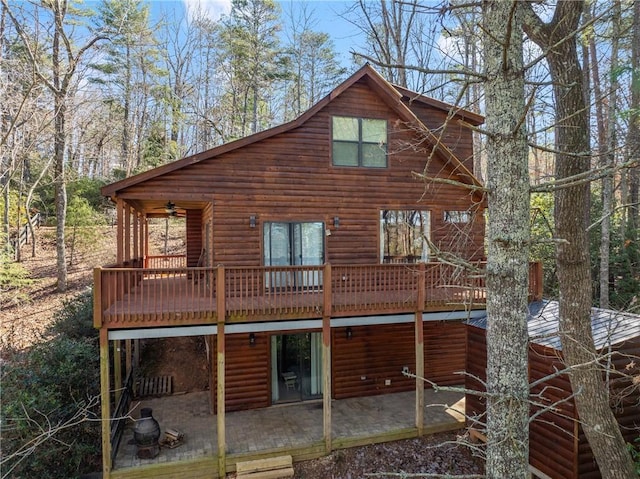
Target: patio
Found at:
x=291, y=427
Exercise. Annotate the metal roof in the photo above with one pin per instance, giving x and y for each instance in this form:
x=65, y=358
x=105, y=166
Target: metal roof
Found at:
x=609, y=327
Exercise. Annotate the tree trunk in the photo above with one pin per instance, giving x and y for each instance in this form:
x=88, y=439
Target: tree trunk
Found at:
x=508, y=244
x=572, y=257
x=58, y=153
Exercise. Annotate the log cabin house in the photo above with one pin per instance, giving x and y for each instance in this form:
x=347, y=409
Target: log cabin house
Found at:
x=558, y=447
x=311, y=260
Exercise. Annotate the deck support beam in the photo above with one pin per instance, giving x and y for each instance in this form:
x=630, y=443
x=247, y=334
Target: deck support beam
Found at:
x=419, y=333
x=419, y=340
x=221, y=313
x=326, y=359
x=105, y=405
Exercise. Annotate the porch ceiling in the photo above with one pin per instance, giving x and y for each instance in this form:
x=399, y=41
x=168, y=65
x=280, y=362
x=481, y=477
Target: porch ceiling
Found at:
x=156, y=207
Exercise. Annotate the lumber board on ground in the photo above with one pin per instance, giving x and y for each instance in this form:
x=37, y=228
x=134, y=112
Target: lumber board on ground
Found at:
x=267, y=468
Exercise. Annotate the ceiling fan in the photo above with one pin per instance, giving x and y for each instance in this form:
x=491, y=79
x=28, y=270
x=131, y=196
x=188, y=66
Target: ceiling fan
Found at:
x=170, y=209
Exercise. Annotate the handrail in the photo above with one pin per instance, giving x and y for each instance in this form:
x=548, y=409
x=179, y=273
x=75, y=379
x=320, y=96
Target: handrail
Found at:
x=120, y=415
x=166, y=261
x=149, y=297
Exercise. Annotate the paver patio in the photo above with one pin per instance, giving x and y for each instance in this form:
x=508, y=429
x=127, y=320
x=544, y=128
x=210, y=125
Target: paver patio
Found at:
x=288, y=426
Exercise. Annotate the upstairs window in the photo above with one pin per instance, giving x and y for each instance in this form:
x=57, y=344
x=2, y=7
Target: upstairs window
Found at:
x=359, y=142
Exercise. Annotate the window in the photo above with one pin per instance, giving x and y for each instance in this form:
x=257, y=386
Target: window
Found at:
x=404, y=236
x=359, y=142
x=457, y=216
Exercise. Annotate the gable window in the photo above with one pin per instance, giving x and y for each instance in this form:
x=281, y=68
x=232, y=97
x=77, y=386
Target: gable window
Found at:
x=404, y=236
x=359, y=142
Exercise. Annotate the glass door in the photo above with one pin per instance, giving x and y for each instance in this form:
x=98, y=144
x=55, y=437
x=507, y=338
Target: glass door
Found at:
x=296, y=367
x=293, y=244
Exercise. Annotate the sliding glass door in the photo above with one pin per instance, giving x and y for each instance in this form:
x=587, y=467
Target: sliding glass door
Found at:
x=296, y=367
x=293, y=244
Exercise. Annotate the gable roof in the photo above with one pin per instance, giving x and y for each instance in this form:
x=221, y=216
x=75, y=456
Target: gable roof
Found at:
x=609, y=327
x=392, y=96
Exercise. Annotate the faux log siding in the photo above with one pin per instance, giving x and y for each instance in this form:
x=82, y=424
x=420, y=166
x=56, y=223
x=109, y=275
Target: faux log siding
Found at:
x=444, y=352
x=456, y=137
x=194, y=237
x=246, y=370
x=375, y=353
x=625, y=402
x=552, y=447
x=476, y=367
x=289, y=177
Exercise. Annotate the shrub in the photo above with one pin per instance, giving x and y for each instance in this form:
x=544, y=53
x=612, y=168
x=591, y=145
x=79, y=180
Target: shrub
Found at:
x=50, y=407
x=13, y=276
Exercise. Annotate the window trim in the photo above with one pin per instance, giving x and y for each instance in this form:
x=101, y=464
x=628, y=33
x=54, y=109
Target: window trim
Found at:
x=360, y=143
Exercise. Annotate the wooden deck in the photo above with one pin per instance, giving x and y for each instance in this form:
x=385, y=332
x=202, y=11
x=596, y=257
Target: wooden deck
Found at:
x=143, y=297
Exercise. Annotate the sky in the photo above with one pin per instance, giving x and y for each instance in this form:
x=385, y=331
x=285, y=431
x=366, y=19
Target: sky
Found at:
x=329, y=15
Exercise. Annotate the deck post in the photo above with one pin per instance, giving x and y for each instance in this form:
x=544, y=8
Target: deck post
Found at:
x=136, y=235
x=419, y=335
x=119, y=231
x=127, y=234
x=97, y=298
x=221, y=312
x=105, y=405
x=326, y=358
x=144, y=233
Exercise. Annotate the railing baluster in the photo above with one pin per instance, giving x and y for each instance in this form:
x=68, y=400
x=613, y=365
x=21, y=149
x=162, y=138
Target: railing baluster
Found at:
x=171, y=296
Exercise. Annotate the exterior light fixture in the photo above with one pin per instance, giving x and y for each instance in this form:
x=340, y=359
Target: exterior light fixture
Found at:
x=336, y=222
x=349, y=333
x=252, y=221
x=252, y=339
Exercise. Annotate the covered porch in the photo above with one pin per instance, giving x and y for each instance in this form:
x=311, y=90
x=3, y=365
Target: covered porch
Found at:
x=295, y=429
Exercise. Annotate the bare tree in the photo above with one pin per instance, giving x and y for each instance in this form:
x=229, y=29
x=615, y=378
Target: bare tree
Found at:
x=557, y=38
x=64, y=63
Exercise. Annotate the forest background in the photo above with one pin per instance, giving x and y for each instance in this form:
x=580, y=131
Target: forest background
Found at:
x=95, y=92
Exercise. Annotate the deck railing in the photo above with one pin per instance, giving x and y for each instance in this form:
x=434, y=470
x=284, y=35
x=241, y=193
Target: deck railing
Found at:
x=150, y=297
x=166, y=261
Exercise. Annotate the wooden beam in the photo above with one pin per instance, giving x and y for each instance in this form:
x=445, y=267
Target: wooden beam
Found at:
x=221, y=312
x=419, y=334
x=419, y=340
x=119, y=231
x=212, y=361
x=105, y=405
x=127, y=233
x=326, y=358
x=136, y=235
x=97, y=298
x=145, y=236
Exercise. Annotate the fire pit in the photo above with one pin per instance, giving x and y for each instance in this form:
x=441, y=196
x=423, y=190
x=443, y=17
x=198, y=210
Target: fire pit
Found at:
x=146, y=434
